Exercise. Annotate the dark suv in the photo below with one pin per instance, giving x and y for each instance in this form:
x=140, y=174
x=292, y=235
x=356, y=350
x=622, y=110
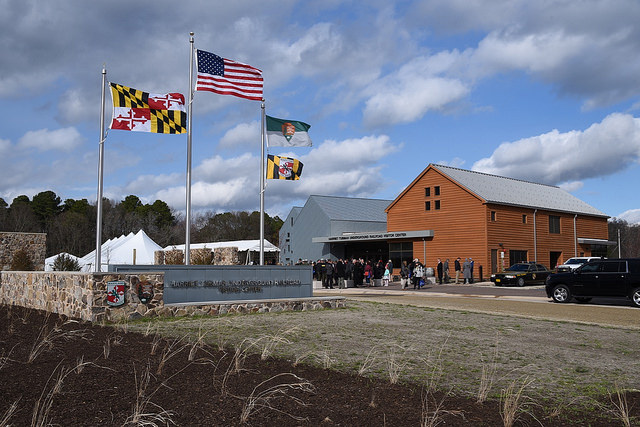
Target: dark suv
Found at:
x=601, y=278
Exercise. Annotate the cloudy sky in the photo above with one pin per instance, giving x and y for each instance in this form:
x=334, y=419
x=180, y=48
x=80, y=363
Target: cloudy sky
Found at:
x=545, y=91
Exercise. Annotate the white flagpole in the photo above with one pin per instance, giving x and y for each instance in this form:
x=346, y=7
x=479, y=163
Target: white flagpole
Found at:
x=262, y=179
x=98, y=260
x=187, y=239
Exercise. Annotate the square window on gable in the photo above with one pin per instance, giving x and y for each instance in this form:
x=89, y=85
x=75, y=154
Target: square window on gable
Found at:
x=437, y=206
x=427, y=206
x=436, y=190
x=493, y=216
x=427, y=191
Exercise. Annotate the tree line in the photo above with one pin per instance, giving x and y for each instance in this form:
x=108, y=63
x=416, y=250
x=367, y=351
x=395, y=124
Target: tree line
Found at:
x=629, y=238
x=70, y=225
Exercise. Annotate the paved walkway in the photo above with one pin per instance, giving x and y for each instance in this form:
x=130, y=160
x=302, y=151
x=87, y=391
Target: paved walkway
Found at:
x=530, y=302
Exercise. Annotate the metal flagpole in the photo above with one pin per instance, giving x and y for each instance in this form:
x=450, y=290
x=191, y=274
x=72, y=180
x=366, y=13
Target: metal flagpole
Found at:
x=98, y=260
x=262, y=179
x=187, y=239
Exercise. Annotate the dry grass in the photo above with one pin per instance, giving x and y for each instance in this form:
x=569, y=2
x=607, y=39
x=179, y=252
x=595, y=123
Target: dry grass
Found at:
x=265, y=395
x=42, y=408
x=396, y=362
x=145, y=412
x=619, y=407
x=514, y=403
x=488, y=376
x=6, y=417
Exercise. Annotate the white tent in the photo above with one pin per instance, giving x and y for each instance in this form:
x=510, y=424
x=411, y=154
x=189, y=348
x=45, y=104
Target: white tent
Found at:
x=132, y=249
x=48, y=263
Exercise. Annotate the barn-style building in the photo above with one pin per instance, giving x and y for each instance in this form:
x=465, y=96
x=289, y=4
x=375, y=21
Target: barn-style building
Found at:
x=497, y=221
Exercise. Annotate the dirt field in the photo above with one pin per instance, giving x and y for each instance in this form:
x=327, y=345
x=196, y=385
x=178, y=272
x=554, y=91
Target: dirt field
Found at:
x=369, y=364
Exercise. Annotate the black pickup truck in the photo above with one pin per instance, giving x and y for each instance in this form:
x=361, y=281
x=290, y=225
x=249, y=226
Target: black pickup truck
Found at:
x=601, y=278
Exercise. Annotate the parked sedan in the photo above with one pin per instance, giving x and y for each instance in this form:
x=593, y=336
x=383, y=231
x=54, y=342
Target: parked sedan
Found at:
x=524, y=273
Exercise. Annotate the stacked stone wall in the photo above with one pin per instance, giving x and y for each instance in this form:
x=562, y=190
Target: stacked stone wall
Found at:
x=83, y=296
x=226, y=256
x=33, y=243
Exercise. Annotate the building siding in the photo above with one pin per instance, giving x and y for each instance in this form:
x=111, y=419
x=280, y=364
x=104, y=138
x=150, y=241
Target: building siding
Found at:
x=468, y=227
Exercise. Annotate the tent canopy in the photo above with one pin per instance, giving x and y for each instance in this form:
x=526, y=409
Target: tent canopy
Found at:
x=242, y=245
x=135, y=249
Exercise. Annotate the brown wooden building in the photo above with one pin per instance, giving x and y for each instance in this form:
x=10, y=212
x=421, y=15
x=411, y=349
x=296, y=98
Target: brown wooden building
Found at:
x=497, y=221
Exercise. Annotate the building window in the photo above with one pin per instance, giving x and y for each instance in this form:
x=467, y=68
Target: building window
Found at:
x=493, y=216
x=524, y=219
x=427, y=206
x=427, y=192
x=292, y=221
x=554, y=224
x=437, y=206
x=436, y=190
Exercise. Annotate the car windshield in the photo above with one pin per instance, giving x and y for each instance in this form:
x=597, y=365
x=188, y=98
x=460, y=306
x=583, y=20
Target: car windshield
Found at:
x=575, y=261
x=519, y=267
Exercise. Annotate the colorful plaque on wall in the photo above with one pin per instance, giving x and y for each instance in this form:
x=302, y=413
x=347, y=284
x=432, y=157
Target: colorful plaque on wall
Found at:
x=115, y=293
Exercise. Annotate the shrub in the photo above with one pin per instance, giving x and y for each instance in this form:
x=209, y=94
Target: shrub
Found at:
x=65, y=262
x=21, y=261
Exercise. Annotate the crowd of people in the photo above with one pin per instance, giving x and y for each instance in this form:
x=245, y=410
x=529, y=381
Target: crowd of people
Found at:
x=334, y=274
x=363, y=273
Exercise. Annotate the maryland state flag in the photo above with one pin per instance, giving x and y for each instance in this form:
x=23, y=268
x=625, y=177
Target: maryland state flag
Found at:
x=139, y=111
x=283, y=168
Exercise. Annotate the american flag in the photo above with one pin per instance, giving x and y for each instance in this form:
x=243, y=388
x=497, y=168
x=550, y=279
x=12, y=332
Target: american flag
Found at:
x=227, y=77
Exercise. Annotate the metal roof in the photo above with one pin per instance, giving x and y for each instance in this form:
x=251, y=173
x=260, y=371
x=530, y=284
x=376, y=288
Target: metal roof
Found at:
x=352, y=209
x=515, y=192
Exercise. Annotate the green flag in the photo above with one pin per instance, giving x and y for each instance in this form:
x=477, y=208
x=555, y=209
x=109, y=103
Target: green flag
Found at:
x=287, y=133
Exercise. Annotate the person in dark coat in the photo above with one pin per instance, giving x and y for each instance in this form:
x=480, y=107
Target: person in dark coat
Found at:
x=457, y=268
x=329, y=272
x=358, y=273
x=440, y=270
x=340, y=272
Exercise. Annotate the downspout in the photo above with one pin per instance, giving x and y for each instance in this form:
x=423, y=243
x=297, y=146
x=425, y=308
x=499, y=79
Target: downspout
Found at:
x=575, y=236
x=535, y=240
x=424, y=250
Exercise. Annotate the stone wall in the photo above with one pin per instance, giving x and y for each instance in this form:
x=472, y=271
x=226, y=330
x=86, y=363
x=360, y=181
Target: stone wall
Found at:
x=78, y=294
x=83, y=296
x=34, y=243
x=226, y=256
x=201, y=256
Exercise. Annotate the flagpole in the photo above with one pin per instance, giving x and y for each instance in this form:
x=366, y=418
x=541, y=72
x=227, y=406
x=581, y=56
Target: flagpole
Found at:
x=262, y=179
x=187, y=239
x=98, y=260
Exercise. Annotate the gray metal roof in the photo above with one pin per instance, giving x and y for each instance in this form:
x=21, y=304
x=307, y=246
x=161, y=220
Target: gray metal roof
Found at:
x=515, y=192
x=352, y=209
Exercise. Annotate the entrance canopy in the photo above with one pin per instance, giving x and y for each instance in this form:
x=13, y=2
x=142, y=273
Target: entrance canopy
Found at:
x=373, y=236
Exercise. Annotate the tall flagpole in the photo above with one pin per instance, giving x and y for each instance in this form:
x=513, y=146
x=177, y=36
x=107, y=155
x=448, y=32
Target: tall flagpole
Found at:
x=262, y=179
x=187, y=239
x=98, y=260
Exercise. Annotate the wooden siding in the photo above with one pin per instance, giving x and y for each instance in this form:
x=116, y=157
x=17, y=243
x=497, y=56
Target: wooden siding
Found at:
x=459, y=225
x=463, y=226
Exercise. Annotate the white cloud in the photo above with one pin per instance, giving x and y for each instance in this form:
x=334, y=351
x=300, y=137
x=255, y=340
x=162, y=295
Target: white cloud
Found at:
x=632, y=216
x=65, y=139
x=242, y=136
x=554, y=157
x=406, y=95
x=571, y=186
x=5, y=145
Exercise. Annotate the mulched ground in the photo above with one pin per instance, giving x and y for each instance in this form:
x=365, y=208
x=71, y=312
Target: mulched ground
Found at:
x=55, y=371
